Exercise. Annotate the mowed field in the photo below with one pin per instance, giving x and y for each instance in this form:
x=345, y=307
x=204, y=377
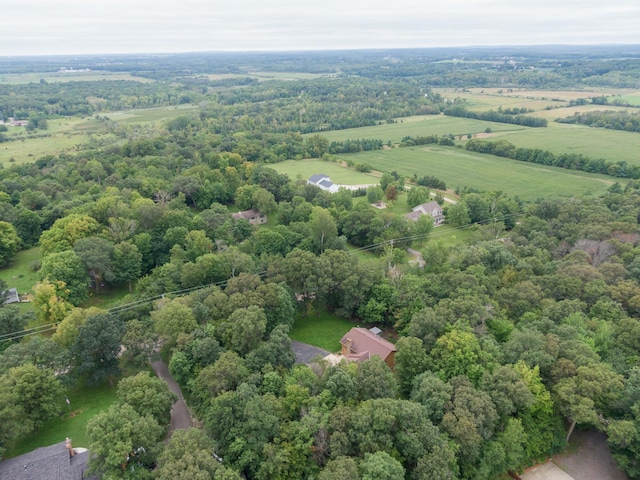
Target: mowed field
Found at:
x=486, y=172
x=149, y=115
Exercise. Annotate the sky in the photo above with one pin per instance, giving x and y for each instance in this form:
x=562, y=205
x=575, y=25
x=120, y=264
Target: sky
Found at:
x=63, y=27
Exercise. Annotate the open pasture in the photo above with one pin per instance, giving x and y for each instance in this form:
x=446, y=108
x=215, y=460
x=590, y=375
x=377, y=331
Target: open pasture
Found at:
x=482, y=102
x=563, y=112
x=62, y=135
x=486, y=172
x=420, y=125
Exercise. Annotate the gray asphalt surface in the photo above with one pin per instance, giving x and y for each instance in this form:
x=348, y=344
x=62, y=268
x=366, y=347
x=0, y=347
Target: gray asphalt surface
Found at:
x=306, y=353
x=180, y=417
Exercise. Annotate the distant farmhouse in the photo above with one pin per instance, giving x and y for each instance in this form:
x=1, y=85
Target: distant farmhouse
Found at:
x=430, y=208
x=324, y=182
x=360, y=344
x=254, y=216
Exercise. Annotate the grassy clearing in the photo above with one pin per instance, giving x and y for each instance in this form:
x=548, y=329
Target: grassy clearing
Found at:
x=485, y=172
x=420, y=125
x=88, y=401
x=62, y=135
x=19, y=273
x=324, y=330
x=303, y=169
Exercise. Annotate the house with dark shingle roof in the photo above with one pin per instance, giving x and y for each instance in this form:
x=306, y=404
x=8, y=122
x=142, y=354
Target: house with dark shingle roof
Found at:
x=360, y=344
x=47, y=463
x=324, y=182
x=431, y=208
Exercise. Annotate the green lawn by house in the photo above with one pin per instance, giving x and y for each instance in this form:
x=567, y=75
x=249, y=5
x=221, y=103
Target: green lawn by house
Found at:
x=85, y=403
x=324, y=330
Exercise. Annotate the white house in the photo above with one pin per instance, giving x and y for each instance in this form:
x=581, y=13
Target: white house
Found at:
x=430, y=208
x=324, y=182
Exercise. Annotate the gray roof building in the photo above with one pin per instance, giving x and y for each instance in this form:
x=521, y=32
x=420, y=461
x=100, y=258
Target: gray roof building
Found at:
x=10, y=296
x=47, y=463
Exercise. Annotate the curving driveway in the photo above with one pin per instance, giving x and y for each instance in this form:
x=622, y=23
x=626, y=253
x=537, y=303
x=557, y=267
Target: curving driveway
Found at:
x=180, y=417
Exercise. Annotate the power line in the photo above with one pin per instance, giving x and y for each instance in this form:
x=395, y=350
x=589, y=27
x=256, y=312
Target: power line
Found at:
x=130, y=306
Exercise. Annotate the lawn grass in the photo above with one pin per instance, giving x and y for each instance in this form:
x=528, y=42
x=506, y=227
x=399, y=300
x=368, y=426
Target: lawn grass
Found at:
x=303, y=169
x=88, y=401
x=460, y=168
x=324, y=330
x=19, y=273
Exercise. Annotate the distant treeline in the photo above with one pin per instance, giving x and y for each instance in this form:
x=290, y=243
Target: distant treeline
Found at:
x=606, y=119
x=495, y=116
x=571, y=161
x=354, y=146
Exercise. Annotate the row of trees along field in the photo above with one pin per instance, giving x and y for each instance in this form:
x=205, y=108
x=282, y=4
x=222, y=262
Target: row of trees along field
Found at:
x=504, y=346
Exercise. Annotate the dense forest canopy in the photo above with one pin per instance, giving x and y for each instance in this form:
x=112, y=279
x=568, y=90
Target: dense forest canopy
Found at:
x=505, y=342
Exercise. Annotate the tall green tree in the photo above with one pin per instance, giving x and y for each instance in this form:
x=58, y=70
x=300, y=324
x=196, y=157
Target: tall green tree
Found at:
x=120, y=438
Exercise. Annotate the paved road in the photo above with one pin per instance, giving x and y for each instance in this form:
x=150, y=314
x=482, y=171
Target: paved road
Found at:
x=305, y=353
x=180, y=417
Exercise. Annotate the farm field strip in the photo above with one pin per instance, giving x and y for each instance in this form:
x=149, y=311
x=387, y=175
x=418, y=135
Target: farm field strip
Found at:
x=485, y=172
x=612, y=145
x=419, y=125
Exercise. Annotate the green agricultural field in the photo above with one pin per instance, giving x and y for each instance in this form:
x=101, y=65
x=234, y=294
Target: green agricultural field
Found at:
x=85, y=404
x=420, y=125
x=323, y=331
x=305, y=168
x=485, y=172
x=612, y=145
